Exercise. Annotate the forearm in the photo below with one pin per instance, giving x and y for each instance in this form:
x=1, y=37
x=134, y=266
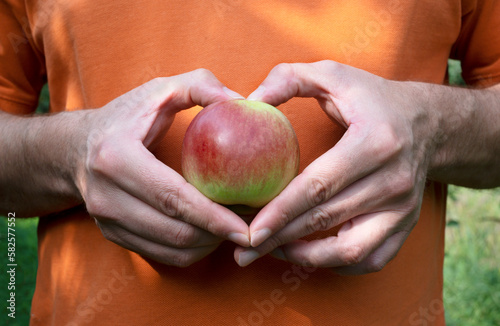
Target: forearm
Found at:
x=467, y=139
x=38, y=156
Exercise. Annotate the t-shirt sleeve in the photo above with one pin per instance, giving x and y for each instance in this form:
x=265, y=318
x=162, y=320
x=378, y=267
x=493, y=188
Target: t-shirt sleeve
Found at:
x=478, y=45
x=22, y=73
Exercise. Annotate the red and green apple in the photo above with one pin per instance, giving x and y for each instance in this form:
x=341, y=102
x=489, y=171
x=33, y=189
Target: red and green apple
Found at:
x=240, y=152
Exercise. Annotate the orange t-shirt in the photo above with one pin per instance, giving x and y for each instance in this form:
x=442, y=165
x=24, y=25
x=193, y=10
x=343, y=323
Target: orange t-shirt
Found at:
x=94, y=51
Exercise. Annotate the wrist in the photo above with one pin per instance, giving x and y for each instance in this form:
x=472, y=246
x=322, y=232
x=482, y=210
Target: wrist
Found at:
x=40, y=163
x=466, y=138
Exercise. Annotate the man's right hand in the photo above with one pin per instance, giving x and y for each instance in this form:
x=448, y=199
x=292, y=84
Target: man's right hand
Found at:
x=137, y=201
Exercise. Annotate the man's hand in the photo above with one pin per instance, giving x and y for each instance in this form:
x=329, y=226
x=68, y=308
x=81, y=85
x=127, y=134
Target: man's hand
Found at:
x=372, y=180
x=139, y=202
x=102, y=157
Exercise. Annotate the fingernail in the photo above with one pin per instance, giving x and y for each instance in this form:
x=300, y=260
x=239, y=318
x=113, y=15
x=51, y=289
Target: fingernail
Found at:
x=239, y=238
x=257, y=94
x=278, y=253
x=259, y=236
x=231, y=93
x=246, y=257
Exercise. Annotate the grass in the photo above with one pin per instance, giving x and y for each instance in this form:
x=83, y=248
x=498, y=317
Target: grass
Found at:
x=472, y=259
x=471, y=268
x=26, y=259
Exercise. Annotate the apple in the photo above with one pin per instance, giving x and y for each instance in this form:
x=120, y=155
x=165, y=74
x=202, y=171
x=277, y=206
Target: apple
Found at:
x=240, y=152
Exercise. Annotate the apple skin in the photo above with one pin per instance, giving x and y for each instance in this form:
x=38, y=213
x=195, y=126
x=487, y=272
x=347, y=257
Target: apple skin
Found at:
x=240, y=152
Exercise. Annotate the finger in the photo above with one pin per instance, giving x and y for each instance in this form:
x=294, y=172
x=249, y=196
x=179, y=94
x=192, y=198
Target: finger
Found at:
x=290, y=80
x=139, y=173
x=150, y=107
x=363, y=196
x=338, y=168
x=198, y=87
x=378, y=259
x=342, y=165
x=131, y=216
x=323, y=80
x=180, y=257
x=358, y=239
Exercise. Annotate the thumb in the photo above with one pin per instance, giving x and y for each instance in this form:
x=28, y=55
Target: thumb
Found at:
x=288, y=80
x=151, y=107
x=327, y=81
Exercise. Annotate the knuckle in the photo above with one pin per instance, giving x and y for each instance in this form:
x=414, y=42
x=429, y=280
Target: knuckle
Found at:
x=170, y=202
x=97, y=205
x=284, y=69
x=386, y=145
x=352, y=255
x=181, y=259
x=203, y=74
x=285, y=218
x=403, y=183
x=315, y=259
x=109, y=235
x=274, y=242
x=413, y=208
x=329, y=65
x=320, y=220
x=317, y=191
x=375, y=265
x=185, y=237
x=103, y=160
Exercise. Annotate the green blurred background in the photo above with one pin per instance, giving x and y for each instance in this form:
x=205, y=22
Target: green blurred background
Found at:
x=472, y=259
